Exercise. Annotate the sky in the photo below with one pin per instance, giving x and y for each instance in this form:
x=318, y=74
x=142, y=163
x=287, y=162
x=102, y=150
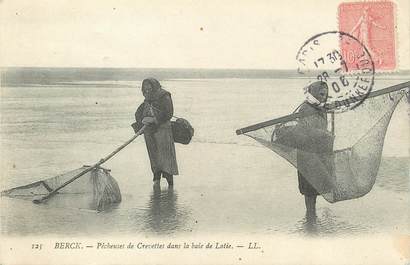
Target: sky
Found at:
x=183, y=34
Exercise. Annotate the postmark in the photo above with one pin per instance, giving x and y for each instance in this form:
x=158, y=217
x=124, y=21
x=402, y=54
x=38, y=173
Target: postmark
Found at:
x=343, y=62
x=373, y=24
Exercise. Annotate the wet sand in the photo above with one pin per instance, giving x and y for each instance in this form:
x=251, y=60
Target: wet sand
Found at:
x=227, y=183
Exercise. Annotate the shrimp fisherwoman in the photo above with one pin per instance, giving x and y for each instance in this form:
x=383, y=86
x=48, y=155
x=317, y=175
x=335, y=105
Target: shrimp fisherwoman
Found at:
x=155, y=113
x=312, y=165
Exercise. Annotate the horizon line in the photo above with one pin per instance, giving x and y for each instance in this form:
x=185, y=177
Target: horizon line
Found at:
x=120, y=67
x=174, y=68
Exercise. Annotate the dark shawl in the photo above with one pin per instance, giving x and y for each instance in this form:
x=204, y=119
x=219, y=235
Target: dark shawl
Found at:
x=158, y=136
x=316, y=167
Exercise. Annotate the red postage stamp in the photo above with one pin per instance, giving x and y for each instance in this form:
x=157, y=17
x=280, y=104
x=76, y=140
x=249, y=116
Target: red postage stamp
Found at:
x=373, y=24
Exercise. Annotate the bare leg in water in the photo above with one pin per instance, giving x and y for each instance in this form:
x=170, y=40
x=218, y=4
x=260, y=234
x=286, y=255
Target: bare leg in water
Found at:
x=157, y=179
x=310, y=202
x=169, y=178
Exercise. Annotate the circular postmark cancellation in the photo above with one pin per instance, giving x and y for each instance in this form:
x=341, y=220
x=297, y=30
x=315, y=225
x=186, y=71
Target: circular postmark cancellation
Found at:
x=343, y=62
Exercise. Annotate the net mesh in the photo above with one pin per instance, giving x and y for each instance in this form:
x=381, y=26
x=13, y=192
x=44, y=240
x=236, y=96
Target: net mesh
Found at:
x=95, y=190
x=342, y=161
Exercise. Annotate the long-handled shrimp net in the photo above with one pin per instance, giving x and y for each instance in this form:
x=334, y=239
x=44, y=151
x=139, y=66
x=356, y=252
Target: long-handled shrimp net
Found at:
x=347, y=159
x=88, y=187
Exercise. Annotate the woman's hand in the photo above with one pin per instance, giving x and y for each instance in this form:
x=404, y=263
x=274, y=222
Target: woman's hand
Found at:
x=149, y=120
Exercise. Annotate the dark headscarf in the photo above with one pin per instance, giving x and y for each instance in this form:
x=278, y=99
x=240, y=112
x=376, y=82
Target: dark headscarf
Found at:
x=156, y=90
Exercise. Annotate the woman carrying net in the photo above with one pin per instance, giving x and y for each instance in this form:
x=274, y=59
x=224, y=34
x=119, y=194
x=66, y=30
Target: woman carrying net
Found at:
x=156, y=112
x=310, y=164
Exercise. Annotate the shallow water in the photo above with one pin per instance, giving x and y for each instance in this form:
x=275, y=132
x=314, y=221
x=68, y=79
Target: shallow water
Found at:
x=227, y=183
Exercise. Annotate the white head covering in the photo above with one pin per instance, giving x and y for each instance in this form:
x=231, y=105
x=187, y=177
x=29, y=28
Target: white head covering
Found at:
x=311, y=98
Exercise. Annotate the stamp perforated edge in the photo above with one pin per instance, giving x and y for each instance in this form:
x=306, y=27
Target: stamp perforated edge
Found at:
x=396, y=34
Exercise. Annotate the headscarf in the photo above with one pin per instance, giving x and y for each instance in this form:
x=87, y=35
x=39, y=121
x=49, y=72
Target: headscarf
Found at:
x=155, y=89
x=312, y=93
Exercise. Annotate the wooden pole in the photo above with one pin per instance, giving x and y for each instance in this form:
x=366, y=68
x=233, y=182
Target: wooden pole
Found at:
x=294, y=116
x=102, y=161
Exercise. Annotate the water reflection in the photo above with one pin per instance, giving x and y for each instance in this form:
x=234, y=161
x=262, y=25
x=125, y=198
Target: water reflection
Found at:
x=309, y=225
x=164, y=214
x=327, y=223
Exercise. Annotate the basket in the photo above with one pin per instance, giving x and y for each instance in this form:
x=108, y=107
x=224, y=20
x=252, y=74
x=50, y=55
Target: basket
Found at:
x=182, y=131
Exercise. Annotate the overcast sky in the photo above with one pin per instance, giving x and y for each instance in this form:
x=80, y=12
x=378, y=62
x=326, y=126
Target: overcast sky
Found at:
x=188, y=34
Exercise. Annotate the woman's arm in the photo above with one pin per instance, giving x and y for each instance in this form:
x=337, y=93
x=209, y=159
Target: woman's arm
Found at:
x=138, y=118
x=303, y=121
x=166, y=109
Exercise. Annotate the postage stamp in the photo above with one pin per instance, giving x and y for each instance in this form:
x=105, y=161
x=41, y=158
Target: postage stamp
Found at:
x=373, y=24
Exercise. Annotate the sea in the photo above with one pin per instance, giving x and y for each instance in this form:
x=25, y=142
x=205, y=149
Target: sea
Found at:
x=54, y=120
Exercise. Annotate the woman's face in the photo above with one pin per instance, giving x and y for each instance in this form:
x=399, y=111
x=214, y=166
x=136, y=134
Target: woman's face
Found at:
x=322, y=95
x=146, y=88
x=319, y=91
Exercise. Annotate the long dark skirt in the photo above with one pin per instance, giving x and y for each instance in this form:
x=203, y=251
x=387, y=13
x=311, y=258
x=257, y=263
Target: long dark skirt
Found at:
x=161, y=149
x=305, y=187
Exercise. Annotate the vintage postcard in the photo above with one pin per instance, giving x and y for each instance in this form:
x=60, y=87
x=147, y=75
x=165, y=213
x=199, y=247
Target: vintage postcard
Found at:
x=205, y=132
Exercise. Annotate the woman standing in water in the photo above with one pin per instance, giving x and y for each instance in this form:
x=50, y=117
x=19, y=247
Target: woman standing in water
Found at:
x=155, y=112
x=315, y=166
